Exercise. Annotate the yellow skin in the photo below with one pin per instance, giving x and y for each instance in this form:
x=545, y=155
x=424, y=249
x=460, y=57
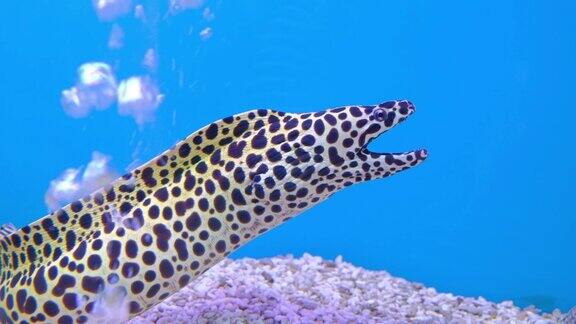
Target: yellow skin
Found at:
x=127, y=247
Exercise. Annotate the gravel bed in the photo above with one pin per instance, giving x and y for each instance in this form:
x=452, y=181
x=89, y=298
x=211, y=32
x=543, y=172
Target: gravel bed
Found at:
x=312, y=290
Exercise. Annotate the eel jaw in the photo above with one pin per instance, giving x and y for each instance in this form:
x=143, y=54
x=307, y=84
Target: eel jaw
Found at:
x=385, y=164
x=410, y=157
x=422, y=153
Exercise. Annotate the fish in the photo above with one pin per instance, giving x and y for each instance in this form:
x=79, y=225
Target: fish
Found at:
x=135, y=242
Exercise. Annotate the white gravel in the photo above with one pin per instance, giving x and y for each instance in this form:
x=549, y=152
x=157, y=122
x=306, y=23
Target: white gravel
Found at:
x=313, y=290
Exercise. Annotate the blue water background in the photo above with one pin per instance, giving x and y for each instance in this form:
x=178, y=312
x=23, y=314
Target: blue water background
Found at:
x=490, y=213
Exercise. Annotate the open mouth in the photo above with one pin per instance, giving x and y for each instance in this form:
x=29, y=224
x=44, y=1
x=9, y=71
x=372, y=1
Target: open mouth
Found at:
x=364, y=149
x=418, y=155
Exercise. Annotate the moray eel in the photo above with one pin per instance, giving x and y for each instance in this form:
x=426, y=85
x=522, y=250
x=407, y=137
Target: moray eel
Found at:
x=151, y=232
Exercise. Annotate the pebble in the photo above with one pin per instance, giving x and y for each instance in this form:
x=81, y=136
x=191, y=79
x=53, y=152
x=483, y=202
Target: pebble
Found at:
x=312, y=290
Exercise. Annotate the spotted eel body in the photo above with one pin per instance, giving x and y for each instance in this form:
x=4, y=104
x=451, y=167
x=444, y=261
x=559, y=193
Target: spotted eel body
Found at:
x=154, y=230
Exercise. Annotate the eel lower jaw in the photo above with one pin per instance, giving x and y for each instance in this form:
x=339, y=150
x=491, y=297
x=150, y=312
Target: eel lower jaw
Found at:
x=418, y=155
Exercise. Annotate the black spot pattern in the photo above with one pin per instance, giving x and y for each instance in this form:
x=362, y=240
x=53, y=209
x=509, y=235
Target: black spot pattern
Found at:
x=157, y=228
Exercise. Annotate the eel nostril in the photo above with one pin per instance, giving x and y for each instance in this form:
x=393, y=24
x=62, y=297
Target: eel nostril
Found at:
x=422, y=154
x=406, y=107
x=409, y=105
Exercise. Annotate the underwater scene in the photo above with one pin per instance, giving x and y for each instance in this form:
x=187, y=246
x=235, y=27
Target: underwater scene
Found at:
x=211, y=161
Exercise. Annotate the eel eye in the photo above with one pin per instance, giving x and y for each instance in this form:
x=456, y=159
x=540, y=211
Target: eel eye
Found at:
x=379, y=114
